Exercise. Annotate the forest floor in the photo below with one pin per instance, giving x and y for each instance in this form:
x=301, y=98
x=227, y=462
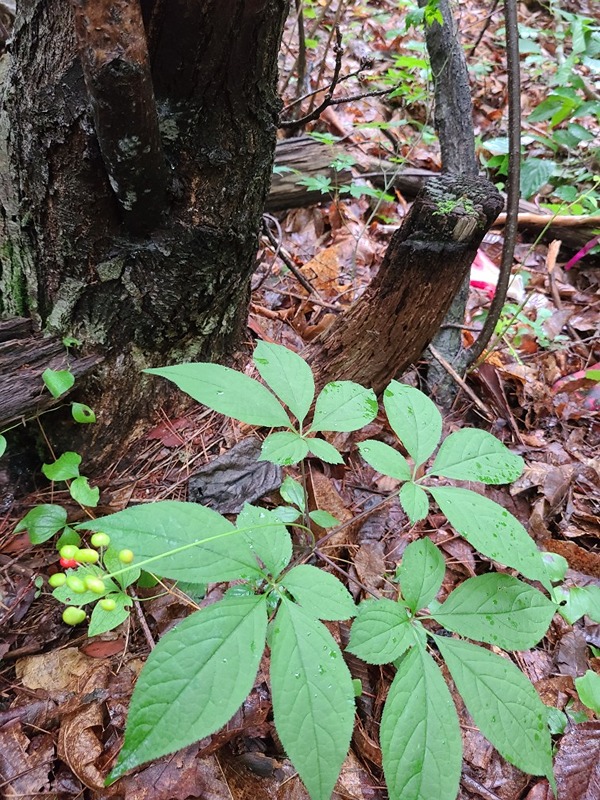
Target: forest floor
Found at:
x=63, y=696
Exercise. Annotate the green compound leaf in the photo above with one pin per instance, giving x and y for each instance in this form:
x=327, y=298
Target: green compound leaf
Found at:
x=266, y=536
x=474, y=455
x=64, y=468
x=102, y=621
x=325, y=451
x=385, y=459
x=229, y=392
x=313, y=697
x=420, y=735
x=492, y=530
x=82, y=413
x=195, y=679
x=42, y=522
x=292, y=492
x=2, y=445
x=414, y=501
x=381, y=631
x=285, y=448
x=503, y=703
x=497, y=609
x=58, y=381
x=81, y=491
x=588, y=689
x=210, y=547
x=421, y=573
x=320, y=594
x=344, y=406
x=414, y=419
x=288, y=375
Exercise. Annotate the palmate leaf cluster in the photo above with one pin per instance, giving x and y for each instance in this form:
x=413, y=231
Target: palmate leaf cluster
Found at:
x=201, y=671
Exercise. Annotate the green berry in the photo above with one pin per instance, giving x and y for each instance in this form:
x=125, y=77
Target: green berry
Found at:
x=68, y=551
x=100, y=539
x=87, y=556
x=126, y=556
x=75, y=584
x=58, y=579
x=73, y=616
x=107, y=603
x=95, y=585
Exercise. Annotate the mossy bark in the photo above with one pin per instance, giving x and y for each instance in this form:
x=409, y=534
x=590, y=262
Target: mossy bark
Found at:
x=78, y=253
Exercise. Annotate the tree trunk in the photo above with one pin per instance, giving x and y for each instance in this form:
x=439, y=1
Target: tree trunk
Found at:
x=428, y=257
x=136, y=146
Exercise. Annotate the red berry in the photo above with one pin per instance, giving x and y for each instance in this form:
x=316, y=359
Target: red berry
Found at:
x=68, y=562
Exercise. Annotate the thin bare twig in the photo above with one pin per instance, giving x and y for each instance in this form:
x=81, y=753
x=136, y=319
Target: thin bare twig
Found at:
x=513, y=193
x=460, y=382
x=339, y=52
x=281, y=253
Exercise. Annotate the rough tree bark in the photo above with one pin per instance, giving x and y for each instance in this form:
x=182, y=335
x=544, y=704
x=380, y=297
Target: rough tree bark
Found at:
x=137, y=141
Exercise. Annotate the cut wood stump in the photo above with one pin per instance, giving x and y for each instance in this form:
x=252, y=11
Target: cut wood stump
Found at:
x=391, y=324
x=24, y=355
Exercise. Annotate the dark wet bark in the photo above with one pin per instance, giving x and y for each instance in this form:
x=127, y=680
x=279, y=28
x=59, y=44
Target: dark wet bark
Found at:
x=140, y=245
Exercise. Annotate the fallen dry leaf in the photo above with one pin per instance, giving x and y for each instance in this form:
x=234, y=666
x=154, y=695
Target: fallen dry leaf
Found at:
x=52, y=671
x=577, y=763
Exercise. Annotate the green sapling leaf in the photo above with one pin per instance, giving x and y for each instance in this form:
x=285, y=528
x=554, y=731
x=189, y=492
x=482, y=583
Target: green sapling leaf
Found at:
x=195, y=679
x=288, y=375
x=497, y=609
x=267, y=537
x=421, y=573
x=229, y=392
x=474, y=455
x=414, y=419
x=420, y=734
x=209, y=548
x=324, y=519
x=2, y=445
x=313, y=697
x=320, y=594
x=414, y=501
x=102, y=621
x=344, y=406
x=64, y=468
x=588, y=689
x=42, y=522
x=292, y=492
x=58, y=381
x=556, y=566
x=385, y=459
x=82, y=413
x=577, y=601
x=381, y=631
x=325, y=451
x=503, y=703
x=492, y=530
x=285, y=448
x=81, y=491
x=286, y=514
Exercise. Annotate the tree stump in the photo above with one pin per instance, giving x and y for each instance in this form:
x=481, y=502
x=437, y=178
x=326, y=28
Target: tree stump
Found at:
x=388, y=328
